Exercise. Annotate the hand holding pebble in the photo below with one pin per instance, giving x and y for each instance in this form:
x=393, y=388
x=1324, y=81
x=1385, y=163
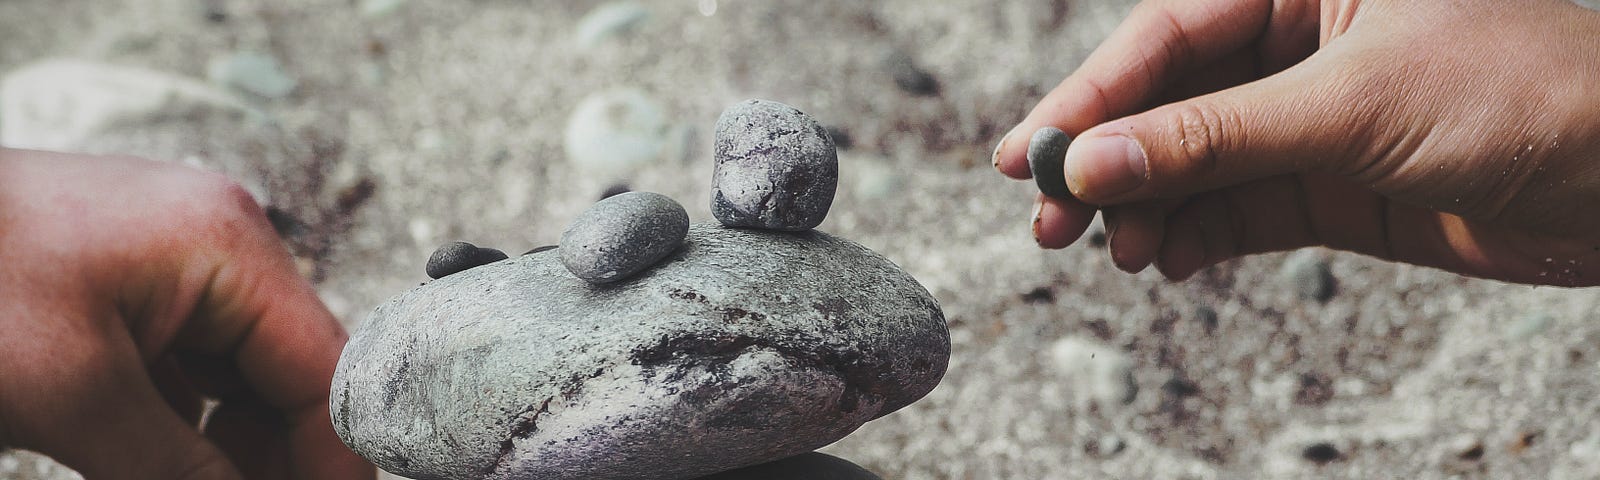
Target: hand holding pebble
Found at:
x=1458, y=135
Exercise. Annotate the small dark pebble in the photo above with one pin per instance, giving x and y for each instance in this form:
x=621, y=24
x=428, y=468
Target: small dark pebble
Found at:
x=1047, y=154
x=1179, y=387
x=377, y=48
x=284, y=223
x=1207, y=317
x=1321, y=453
x=455, y=257
x=1473, y=453
x=540, y=249
x=841, y=137
x=614, y=190
x=1323, y=289
x=1097, y=239
x=215, y=11
x=1311, y=276
x=909, y=77
x=1315, y=389
x=355, y=195
x=808, y=466
x=1039, y=295
x=1524, y=441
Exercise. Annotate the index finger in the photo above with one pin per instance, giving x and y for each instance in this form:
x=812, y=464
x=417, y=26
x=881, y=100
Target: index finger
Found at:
x=1158, y=42
x=257, y=309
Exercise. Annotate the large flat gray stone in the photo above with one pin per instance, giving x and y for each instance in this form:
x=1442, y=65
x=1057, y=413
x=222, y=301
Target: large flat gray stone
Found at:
x=744, y=346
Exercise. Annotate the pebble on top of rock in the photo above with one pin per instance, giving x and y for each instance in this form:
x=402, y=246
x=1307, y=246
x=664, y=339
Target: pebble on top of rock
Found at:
x=776, y=168
x=1047, y=154
x=623, y=235
x=614, y=190
x=749, y=346
x=455, y=257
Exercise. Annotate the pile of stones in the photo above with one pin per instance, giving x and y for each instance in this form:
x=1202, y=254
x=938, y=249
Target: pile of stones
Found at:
x=647, y=347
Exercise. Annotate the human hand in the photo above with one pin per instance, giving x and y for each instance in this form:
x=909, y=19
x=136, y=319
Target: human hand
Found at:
x=130, y=289
x=1463, y=135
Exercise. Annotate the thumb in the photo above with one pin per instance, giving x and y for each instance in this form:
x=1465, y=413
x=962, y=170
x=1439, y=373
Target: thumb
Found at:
x=1289, y=123
x=99, y=413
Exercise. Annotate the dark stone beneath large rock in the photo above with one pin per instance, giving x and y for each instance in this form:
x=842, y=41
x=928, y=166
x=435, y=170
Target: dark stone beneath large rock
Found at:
x=743, y=347
x=809, y=466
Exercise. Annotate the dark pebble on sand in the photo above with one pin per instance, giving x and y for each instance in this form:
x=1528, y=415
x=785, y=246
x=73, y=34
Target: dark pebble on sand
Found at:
x=910, y=77
x=1321, y=453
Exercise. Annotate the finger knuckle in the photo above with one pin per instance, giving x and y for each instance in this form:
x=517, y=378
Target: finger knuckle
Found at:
x=1204, y=134
x=217, y=199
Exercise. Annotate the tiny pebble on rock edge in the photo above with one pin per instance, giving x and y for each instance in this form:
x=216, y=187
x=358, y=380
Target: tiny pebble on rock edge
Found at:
x=623, y=235
x=614, y=190
x=455, y=257
x=776, y=168
x=1047, y=153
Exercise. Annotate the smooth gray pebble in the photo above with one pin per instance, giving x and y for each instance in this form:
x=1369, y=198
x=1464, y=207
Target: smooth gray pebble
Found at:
x=1047, y=152
x=623, y=235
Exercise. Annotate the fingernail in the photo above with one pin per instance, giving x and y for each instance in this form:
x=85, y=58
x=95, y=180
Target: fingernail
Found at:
x=1038, y=209
x=1101, y=167
x=995, y=157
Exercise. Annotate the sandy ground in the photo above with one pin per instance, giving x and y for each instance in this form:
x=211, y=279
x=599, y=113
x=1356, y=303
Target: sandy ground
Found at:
x=444, y=120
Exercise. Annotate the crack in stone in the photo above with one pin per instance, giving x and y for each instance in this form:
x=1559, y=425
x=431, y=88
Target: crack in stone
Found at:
x=526, y=422
x=728, y=314
x=682, y=353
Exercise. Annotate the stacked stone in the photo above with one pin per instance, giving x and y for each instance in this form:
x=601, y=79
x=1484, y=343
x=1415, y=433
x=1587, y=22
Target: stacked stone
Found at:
x=776, y=168
x=664, y=354
x=455, y=257
x=623, y=235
